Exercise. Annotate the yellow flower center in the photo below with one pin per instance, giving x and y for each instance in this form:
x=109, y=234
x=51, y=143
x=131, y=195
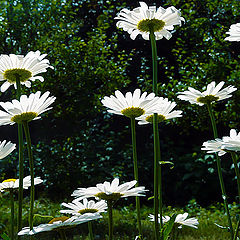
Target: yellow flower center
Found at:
x=10, y=180
x=63, y=219
x=133, y=112
x=160, y=118
x=108, y=197
x=207, y=99
x=12, y=74
x=154, y=24
x=24, y=117
x=87, y=210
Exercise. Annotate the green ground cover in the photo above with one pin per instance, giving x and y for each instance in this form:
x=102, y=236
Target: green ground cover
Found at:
x=125, y=222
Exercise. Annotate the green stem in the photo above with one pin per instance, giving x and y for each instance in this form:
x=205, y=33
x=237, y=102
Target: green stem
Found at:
x=237, y=229
x=156, y=139
x=134, y=147
x=110, y=220
x=62, y=234
x=20, y=157
x=29, y=146
x=219, y=169
x=234, y=158
x=90, y=231
x=159, y=184
x=12, y=214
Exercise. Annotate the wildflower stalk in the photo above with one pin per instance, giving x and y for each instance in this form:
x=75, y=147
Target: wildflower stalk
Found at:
x=234, y=158
x=237, y=229
x=110, y=220
x=157, y=180
x=12, y=213
x=62, y=235
x=90, y=231
x=160, y=186
x=134, y=147
x=28, y=138
x=20, y=159
x=224, y=195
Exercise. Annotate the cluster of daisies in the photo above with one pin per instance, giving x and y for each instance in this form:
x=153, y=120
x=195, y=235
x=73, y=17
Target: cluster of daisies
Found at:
x=27, y=108
x=82, y=210
x=139, y=106
x=142, y=106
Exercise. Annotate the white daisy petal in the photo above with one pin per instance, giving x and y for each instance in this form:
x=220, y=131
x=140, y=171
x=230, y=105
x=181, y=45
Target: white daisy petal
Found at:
x=234, y=33
x=78, y=208
x=60, y=223
x=181, y=219
x=25, y=109
x=25, y=67
x=130, y=105
x=163, y=108
x=136, y=22
x=212, y=94
x=8, y=184
x=113, y=190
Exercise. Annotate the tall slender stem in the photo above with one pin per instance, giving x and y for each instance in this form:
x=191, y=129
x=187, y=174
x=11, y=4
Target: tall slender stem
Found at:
x=31, y=165
x=62, y=234
x=234, y=158
x=20, y=157
x=237, y=229
x=134, y=147
x=110, y=220
x=90, y=231
x=157, y=190
x=12, y=214
x=219, y=168
x=160, y=186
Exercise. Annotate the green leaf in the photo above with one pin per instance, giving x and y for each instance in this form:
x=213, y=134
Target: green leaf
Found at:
x=167, y=162
x=152, y=197
x=4, y=236
x=168, y=227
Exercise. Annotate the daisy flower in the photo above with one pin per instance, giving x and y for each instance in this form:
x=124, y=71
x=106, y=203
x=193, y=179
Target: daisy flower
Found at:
x=78, y=208
x=60, y=223
x=214, y=146
x=221, y=146
x=232, y=143
x=181, y=219
x=12, y=183
x=234, y=33
x=164, y=111
x=131, y=105
x=6, y=148
x=143, y=19
x=26, y=109
x=212, y=94
x=110, y=191
x=26, y=68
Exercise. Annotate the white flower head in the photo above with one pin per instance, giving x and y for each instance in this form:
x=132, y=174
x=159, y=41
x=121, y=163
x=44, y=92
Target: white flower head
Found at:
x=131, y=105
x=11, y=184
x=79, y=208
x=234, y=33
x=181, y=219
x=60, y=223
x=232, y=143
x=214, y=146
x=26, y=109
x=212, y=94
x=110, y=191
x=26, y=68
x=143, y=19
x=6, y=148
x=164, y=111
